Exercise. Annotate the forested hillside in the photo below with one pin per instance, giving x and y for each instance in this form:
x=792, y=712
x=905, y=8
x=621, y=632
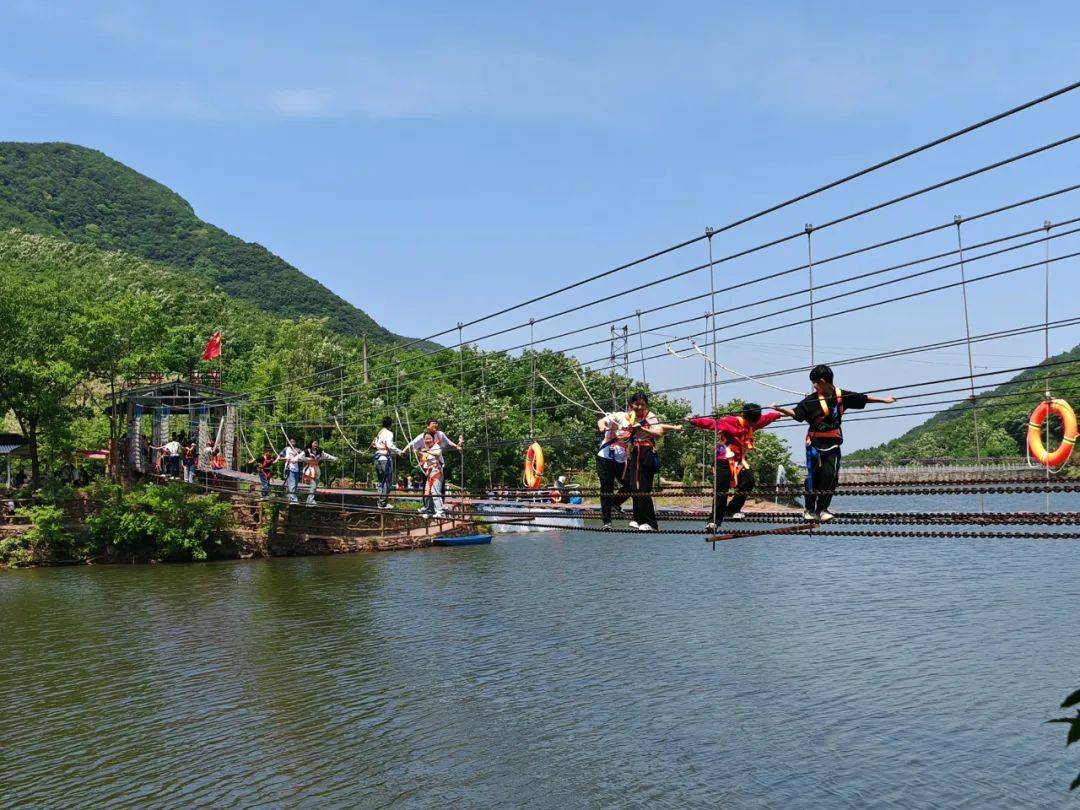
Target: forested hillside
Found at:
x=80, y=194
x=76, y=320
x=1002, y=415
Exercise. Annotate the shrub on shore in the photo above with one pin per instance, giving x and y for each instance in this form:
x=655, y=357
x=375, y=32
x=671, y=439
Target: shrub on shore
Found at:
x=151, y=522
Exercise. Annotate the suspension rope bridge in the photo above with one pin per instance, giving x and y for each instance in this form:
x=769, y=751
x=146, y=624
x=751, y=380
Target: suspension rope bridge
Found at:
x=699, y=337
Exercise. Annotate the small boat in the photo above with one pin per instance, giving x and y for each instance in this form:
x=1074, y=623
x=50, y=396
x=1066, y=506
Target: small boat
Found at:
x=464, y=540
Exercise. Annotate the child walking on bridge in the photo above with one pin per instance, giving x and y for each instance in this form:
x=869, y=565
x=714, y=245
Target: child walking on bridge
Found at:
x=734, y=439
x=823, y=410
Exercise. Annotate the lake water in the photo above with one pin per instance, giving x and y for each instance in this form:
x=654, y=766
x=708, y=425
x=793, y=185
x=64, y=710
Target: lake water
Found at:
x=552, y=670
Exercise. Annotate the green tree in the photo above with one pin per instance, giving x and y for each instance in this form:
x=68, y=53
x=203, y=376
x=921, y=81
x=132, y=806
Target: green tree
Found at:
x=44, y=356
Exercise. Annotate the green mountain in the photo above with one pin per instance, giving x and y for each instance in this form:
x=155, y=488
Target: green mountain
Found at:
x=1002, y=414
x=80, y=194
x=76, y=320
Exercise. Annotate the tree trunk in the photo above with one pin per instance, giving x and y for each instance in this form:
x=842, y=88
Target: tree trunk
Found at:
x=35, y=464
x=114, y=432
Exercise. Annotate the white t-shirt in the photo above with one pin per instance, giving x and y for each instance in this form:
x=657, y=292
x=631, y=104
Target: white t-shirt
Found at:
x=293, y=456
x=384, y=443
x=172, y=448
x=439, y=437
x=429, y=449
x=613, y=445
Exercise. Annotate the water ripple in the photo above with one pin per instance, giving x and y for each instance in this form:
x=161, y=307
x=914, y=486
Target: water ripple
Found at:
x=559, y=670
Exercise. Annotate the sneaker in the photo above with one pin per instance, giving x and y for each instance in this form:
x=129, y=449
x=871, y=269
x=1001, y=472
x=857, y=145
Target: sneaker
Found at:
x=736, y=516
x=809, y=516
x=825, y=515
x=424, y=513
x=440, y=515
x=633, y=524
x=710, y=527
x=606, y=527
x=645, y=527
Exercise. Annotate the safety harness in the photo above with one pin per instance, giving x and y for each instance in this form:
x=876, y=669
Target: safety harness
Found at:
x=813, y=454
x=836, y=412
x=724, y=453
x=632, y=451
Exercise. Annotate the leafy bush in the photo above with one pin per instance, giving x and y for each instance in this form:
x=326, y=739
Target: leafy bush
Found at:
x=46, y=540
x=165, y=522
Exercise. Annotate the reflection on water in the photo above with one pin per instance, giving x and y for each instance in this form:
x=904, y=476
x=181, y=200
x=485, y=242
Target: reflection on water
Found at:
x=551, y=670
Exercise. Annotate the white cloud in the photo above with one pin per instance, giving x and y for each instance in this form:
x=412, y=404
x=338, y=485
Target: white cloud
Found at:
x=786, y=62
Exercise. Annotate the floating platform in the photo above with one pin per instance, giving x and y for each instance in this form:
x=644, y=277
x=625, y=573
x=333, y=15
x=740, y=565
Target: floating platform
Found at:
x=465, y=540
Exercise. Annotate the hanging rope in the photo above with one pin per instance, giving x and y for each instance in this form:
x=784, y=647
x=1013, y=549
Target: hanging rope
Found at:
x=698, y=350
x=551, y=385
x=408, y=435
x=269, y=442
x=585, y=388
x=245, y=444
x=345, y=437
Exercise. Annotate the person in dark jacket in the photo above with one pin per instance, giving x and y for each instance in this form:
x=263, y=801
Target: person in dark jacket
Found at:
x=823, y=411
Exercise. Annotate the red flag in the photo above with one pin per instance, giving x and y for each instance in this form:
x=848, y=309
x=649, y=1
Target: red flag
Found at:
x=213, y=347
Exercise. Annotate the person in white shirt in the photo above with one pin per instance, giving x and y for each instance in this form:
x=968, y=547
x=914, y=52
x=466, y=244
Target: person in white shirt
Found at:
x=642, y=462
x=292, y=456
x=312, y=458
x=385, y=451
x=610, y=460
x=170, y=457
x=429, y=446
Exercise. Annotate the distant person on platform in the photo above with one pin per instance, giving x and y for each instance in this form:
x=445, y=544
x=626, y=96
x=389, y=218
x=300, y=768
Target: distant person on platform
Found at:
x=191, y=452
x=385, y=453
x=429, y=447
x=293, y=457
x=313, y=458
x=823, y=410
x=265, y=468
x=734, y=439
x=170, y=457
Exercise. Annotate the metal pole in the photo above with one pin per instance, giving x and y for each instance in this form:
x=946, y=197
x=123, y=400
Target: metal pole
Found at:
x=641, y=344
x=958, y=220
x=614, y=399
x=461, y=421
x=715, y=382
x=532, y=384
x=810, y=269
x=1046, y=348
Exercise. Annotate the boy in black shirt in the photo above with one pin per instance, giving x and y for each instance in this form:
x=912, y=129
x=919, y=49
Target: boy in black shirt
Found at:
x=823, y=411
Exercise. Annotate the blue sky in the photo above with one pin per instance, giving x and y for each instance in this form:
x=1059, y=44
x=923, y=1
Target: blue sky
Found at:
x=433, y=162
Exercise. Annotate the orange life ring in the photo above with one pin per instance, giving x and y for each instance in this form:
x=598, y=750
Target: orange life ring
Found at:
x=1034, y=437
x=534, y=466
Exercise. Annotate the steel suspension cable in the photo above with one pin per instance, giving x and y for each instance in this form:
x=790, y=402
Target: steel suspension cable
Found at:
x=751, y=281
x=839, y=220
